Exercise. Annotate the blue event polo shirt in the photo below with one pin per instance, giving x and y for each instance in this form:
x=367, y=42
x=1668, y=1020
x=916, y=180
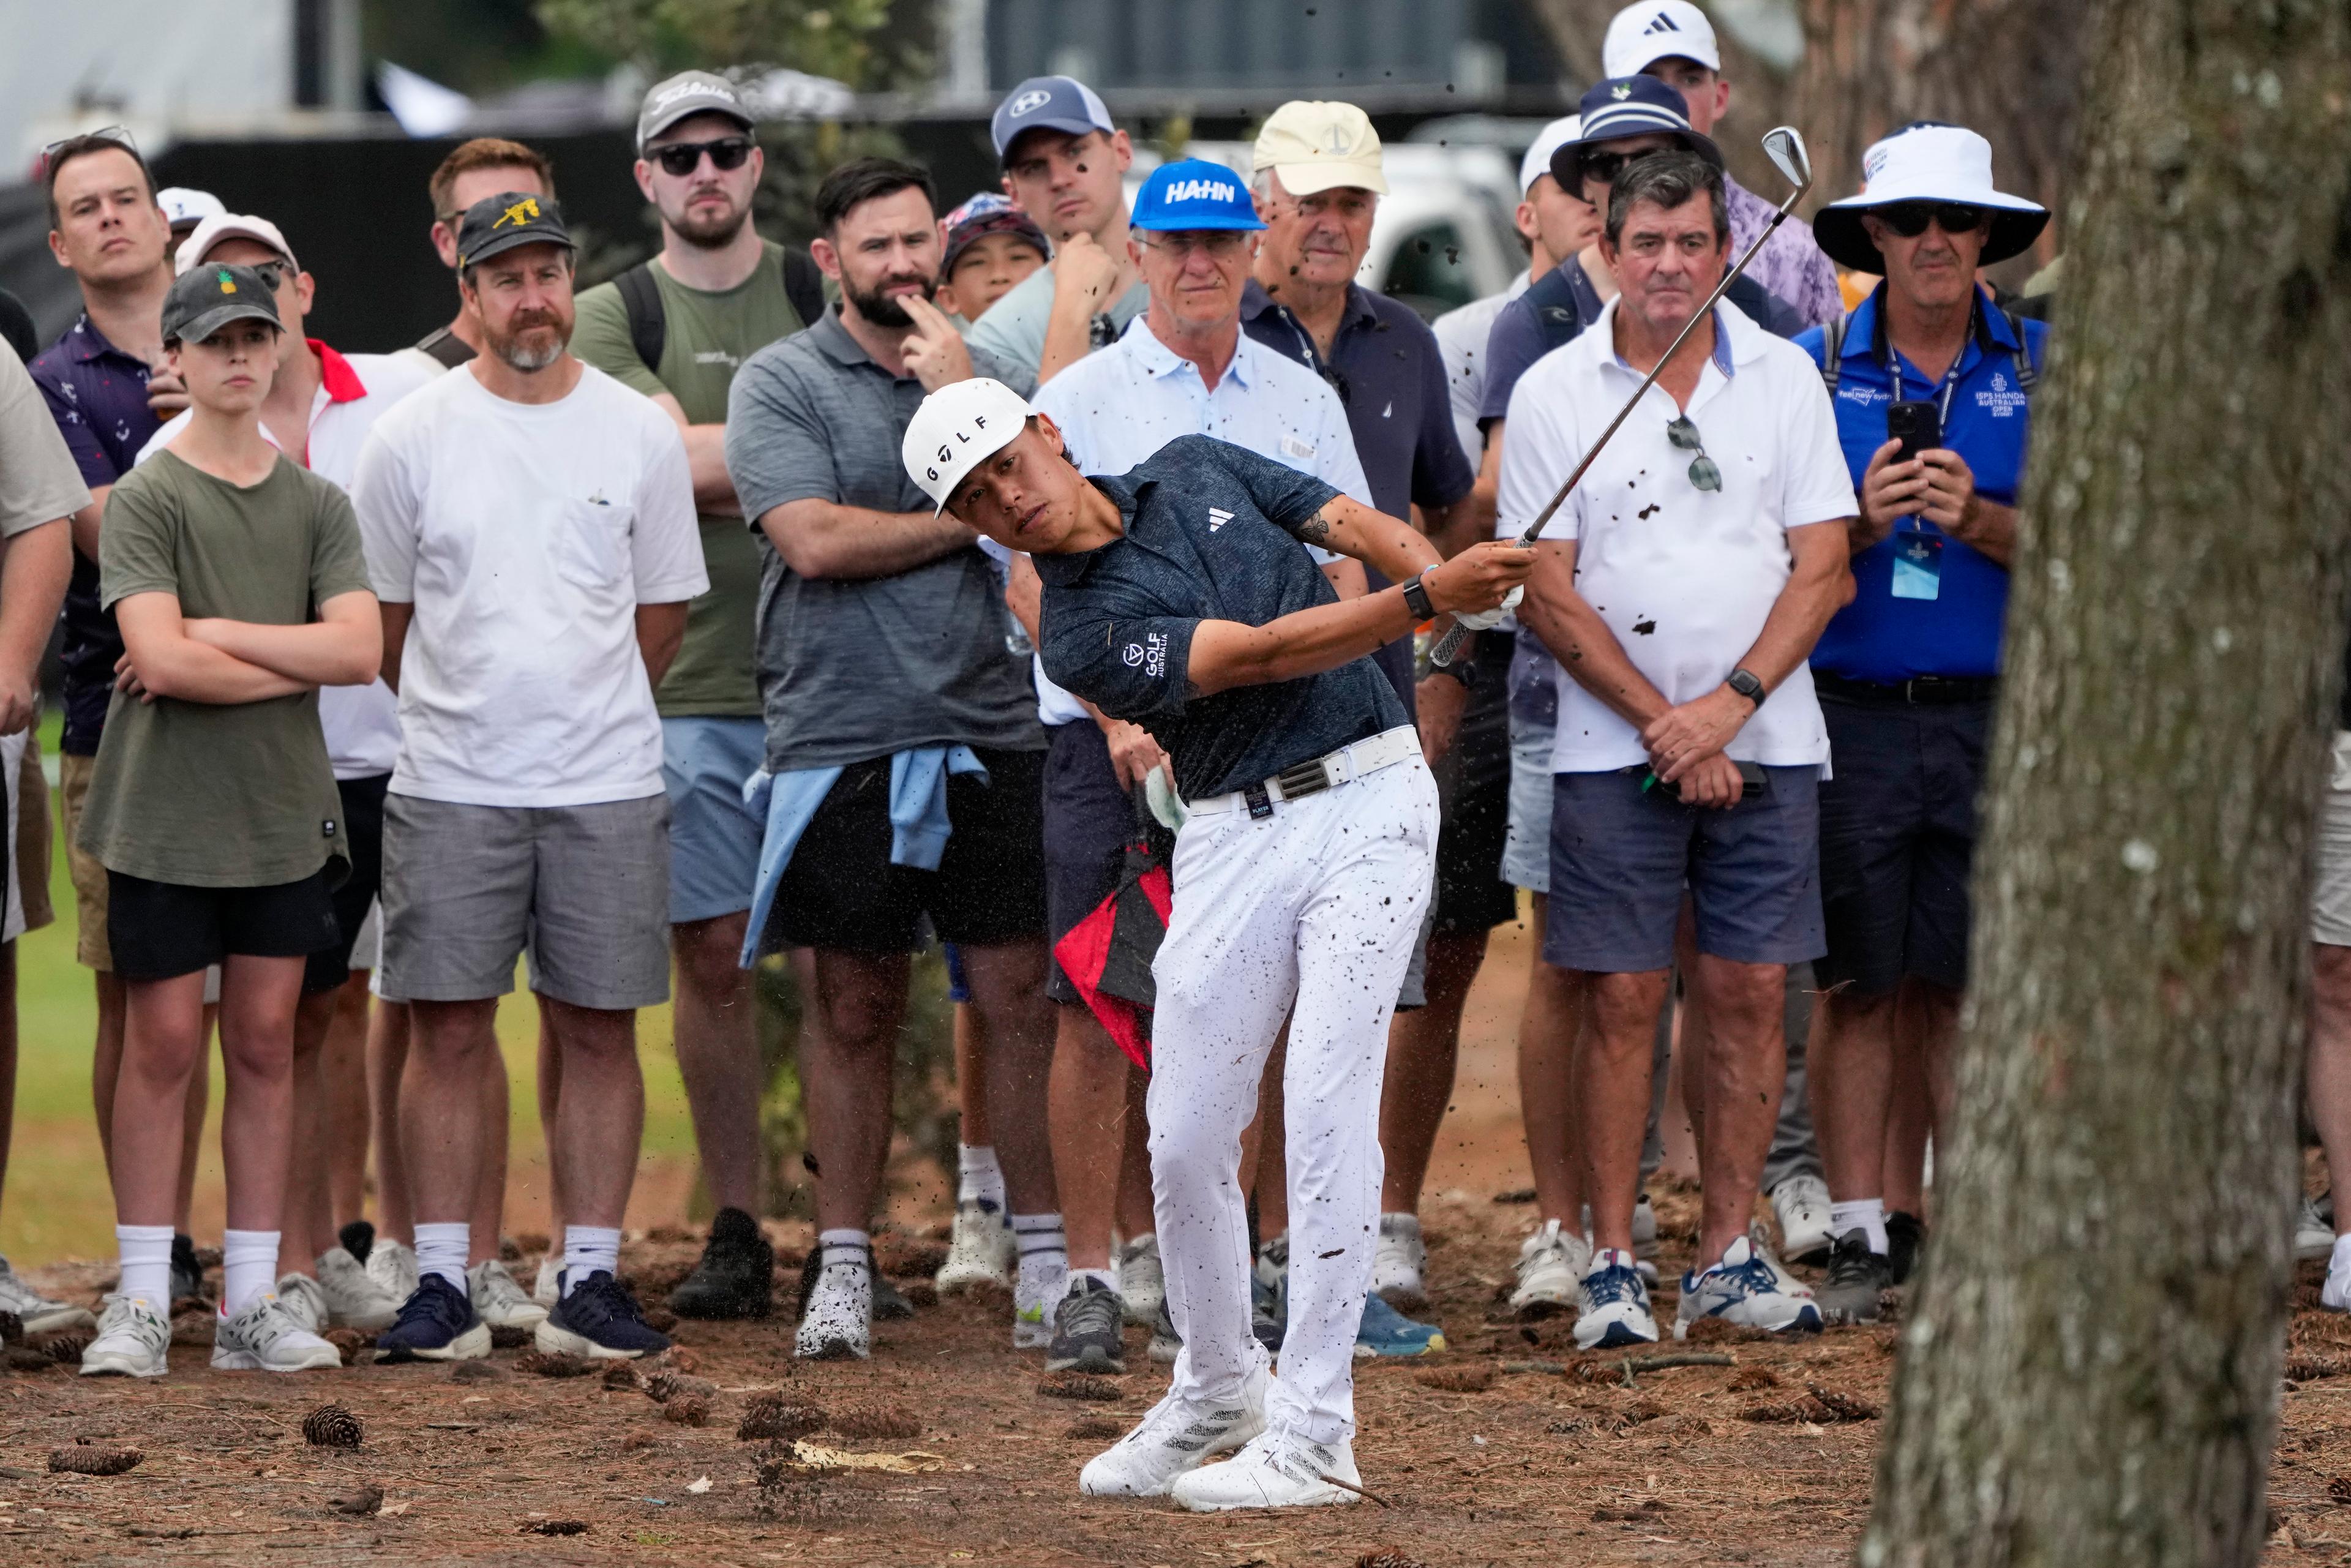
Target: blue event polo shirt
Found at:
x=1211, y=534
x=1878, y=637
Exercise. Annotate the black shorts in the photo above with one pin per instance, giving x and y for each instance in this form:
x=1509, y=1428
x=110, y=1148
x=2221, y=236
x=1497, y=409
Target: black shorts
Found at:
x=161, y=929
x=1897, y=839
x=841, y=892
x=363, y=830
x=1473, y=789
x=1087, y=820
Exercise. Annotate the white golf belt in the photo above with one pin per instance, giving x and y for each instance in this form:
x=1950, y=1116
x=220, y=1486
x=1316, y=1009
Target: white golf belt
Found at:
x=1349, y=762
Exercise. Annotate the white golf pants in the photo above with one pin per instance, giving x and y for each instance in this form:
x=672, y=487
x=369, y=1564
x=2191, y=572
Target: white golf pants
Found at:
x=1317, y=907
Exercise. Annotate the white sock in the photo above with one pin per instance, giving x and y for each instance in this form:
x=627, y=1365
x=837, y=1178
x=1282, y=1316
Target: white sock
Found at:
x=1106, y=1277
x=978, y=1176
x=1044, y=1254
x=442, y=1248
x=845, y=1247
x=146, y=1252
x=1866, y=1215
x=588, y=1249
x=248, y=1268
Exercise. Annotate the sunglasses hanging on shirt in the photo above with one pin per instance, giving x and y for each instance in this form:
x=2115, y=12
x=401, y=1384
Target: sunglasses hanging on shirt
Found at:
x=680, y=159
x=1703, y=474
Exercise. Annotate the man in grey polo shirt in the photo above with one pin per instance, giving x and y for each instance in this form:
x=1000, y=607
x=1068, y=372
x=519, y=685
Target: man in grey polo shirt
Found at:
x=904, y=762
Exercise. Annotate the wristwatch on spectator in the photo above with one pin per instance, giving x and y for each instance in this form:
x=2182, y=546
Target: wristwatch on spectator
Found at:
x=1746, y=684
x=1462, y=670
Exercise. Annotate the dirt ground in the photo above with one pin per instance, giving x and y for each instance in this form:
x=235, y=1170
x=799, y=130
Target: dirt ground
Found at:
x=1509, y=1449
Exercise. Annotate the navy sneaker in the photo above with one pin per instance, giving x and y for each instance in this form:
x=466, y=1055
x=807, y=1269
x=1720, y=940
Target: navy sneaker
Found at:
x=1385, y=1332
x=435, y=1323
x=597, y=1319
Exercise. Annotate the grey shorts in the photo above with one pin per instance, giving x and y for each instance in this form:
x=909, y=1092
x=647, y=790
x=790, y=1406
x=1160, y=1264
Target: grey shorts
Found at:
x=1526, y=852
x=583, y=890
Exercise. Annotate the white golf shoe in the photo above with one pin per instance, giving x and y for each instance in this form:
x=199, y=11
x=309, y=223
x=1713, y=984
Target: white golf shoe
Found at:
x=1172, y=1439
x=1274, y=1469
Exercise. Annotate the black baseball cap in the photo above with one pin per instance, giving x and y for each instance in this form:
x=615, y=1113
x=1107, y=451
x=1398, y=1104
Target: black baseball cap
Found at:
x=209, y=295
x=510, y=218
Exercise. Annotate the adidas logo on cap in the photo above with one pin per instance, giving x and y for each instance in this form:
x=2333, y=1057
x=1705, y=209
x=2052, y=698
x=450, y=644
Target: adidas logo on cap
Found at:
x=1661, y=23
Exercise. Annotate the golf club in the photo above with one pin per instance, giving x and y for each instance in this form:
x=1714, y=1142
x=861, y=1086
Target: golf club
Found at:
x=1784, y=145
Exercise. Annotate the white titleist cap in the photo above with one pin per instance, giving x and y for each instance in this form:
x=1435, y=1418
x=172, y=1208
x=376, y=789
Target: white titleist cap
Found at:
x=958, y=428
x=1645, y=34
x=187, y=208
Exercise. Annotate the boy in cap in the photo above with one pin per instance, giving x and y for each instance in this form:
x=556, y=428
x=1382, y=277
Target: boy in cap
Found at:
x=238, y=579
x=1177, y=596
x=991, y=247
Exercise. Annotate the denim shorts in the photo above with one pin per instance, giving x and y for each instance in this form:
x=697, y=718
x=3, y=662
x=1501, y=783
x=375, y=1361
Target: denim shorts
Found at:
x=1621, y=859
x=714, y=838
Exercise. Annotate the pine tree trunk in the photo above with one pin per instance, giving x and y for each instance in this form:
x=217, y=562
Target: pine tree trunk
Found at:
x=2089, y=1374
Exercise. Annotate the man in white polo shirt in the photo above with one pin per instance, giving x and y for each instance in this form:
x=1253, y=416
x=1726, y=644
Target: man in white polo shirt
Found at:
x=1681, y=589
x=529, y=524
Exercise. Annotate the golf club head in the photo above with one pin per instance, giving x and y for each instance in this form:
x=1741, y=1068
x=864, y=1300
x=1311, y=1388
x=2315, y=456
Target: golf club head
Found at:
x=1784, y=145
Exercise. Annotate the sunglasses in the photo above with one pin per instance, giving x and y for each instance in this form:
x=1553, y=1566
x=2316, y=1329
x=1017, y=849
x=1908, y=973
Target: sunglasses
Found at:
x=1221, y=243
x=118, y=135
x=1909, y=219
x=682, y=158
x=273, y=273
x=1703, y=474
x=1608, y=165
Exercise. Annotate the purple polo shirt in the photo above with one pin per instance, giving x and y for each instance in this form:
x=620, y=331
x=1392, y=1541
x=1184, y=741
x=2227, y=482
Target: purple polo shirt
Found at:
x=98, y=395
x=1389, y=372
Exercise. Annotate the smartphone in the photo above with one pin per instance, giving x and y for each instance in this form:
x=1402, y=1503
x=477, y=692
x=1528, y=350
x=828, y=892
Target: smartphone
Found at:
x=1916, y=425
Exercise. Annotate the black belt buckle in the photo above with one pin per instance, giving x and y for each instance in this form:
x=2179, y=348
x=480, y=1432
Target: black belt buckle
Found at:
x=1260, y=804
x=1303, y=778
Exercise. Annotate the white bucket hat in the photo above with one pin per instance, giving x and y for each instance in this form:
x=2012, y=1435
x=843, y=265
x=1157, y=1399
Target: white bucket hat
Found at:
x=1926, y=162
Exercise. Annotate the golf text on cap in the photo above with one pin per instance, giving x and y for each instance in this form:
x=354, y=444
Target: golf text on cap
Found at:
x=946, y=454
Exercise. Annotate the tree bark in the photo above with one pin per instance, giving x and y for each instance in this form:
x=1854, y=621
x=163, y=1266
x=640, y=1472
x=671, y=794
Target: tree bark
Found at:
x=2089, y=1374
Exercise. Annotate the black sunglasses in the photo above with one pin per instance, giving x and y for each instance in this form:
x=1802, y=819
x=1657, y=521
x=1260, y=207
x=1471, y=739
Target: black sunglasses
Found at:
x=1703, y=474
x=118, y=135
x=272, y=272
x=1608, y=165
x=682, y=158
x=1909, y=219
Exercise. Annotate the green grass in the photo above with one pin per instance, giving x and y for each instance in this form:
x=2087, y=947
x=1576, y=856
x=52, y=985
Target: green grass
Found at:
x=56, y=1204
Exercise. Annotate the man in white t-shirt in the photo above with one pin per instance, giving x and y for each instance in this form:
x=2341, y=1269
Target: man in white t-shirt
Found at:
x=529, y=522
x=1681, y=587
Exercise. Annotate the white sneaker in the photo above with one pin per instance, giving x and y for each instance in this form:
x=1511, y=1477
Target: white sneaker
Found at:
x=1275, y=1470
x=353, y=1299
x=36, y=1312
x=838, y=1321
x=392, y=1266
x=1750, y=1288
x=498, y=1301
x=266, y=1337
x=2335, y=1294
x=1172, y=1437
x=1552, y=1266
x=1645, y=1228
x=1032, y=1312
x=1613, y=1304
x=304, y=1303
x=2314, y=1235
x=980, y=1252
x=1398, y=1260
x=1142, y=1280
x=133, y=1337
x=1801, y=1204
x=546, y=1288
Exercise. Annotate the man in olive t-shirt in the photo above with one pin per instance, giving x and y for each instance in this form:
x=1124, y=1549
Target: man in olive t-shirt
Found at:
x=721, y=296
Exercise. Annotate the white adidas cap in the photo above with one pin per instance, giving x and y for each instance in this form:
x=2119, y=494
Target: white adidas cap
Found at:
x=956, y=429
x=1644, y=34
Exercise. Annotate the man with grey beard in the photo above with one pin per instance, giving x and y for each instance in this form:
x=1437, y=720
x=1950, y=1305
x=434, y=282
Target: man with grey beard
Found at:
x=529, y=522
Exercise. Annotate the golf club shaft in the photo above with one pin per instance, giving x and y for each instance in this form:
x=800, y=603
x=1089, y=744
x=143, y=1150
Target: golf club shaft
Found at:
x=1449, y=644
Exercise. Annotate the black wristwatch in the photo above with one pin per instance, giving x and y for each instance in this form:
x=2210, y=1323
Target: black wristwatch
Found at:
x=1463, y=670
x=1416, y=599
x=1746, y=684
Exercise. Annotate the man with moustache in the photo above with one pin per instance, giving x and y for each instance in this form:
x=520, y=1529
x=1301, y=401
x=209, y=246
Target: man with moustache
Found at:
x=905, y=759
x=529, y=527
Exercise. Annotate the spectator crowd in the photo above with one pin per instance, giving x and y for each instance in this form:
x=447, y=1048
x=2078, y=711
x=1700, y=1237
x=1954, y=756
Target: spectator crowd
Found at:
x=919, y=585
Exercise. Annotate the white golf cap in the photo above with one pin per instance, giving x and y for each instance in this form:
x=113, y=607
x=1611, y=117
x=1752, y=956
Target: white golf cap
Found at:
x=1547, y=140
x=1644, y=34
x=958, y=428
x=1312, y=145
x=230, y=226
x=186, y=208
x=1934, y=163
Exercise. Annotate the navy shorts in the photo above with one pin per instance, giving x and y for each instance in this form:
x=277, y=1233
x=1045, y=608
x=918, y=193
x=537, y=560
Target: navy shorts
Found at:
x=1620, y=861
x=1087, y=820
x=1897, y=839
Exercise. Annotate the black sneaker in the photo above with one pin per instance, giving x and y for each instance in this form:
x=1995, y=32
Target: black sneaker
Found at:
x=1086, y=1330
x=737, y=1274
x=597, y=1319
x=1904, y=1232
x=889, y=1304
x=358, y=1239
x=1855, y=1276
x=187, y=1274
x=436, y=1323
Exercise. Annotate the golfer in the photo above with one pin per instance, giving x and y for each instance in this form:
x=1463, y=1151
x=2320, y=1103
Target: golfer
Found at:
x=1175, y=597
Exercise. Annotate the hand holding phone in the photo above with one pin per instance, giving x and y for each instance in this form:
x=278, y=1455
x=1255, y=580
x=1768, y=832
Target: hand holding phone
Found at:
x=1917, y=426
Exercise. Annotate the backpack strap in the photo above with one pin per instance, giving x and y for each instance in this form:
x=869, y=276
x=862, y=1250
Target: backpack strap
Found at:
x=648, y=321
x=803, y=286
x=445, y=348
x=2027, y=375
x=1833, y=352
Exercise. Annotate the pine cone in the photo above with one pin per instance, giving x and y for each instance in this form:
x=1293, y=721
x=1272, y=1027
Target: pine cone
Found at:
x=1092, y=1429
x=1079, y=1387
x=1752, y=1377
x=773, y=1416
x=331, y=1427
x=1472, y=1378
x=553, y=1527
x=545, y=1366
x=1389, y=1560
x=504, y=1336
x=64, y=1346
x=349, y=1343
x=686, y=1410
x=870, y=1422
x=623, y=1377
x=83, y=1459
x=665, y=1385
x=476, y=1372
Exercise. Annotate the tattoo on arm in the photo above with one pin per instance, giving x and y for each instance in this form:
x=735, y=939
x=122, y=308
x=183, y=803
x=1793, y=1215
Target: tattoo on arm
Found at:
x=1315, y=530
